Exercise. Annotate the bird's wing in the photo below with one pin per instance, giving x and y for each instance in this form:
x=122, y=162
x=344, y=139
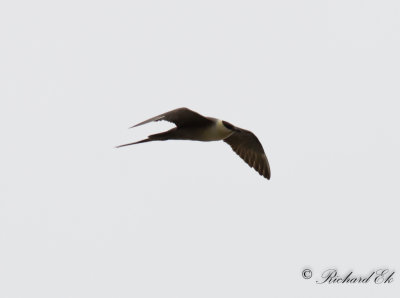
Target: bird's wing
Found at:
x=249, y=148
x=180, y=117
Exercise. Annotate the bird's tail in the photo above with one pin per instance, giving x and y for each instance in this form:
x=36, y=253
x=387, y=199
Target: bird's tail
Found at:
x=156, y=137
x=138, y=142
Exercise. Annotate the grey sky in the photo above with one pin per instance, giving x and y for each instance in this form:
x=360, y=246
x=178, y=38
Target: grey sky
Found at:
x=316, y=81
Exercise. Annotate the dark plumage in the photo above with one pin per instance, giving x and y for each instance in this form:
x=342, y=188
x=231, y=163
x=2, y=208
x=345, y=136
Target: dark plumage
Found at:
x=193, y=126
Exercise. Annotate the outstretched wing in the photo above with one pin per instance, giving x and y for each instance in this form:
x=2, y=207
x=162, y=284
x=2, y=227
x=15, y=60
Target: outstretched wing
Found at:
x=180, y=117
x=249, y=148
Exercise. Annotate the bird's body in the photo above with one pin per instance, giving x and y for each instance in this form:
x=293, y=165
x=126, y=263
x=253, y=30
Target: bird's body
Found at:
x=195, y=127
x=216, y=131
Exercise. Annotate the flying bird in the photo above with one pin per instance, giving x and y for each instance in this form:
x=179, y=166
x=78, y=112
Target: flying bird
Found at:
x=195, y=127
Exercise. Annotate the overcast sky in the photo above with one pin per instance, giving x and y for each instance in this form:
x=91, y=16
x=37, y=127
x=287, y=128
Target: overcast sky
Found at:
x=316, y=81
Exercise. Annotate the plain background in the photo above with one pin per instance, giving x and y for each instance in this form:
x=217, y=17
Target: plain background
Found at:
x=316, y=81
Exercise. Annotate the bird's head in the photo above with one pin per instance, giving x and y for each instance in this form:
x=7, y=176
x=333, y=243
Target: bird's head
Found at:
x=230, y=126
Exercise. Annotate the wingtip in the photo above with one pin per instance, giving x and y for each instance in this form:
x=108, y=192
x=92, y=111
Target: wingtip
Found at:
x=266, y=176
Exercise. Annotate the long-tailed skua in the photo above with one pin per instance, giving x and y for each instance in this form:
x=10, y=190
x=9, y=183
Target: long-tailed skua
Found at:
x=195, y=127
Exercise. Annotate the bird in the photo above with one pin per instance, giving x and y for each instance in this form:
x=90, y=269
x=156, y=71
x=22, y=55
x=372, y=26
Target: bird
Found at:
x=190, y=125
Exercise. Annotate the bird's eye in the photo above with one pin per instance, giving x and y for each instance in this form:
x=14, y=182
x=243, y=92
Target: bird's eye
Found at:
x=227, y=125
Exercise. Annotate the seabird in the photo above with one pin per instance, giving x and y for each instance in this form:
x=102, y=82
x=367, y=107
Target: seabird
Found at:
x=195, y=127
